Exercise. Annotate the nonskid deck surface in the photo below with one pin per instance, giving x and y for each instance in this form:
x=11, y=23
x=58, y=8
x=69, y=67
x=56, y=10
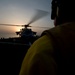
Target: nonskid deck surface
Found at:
x=11, y=56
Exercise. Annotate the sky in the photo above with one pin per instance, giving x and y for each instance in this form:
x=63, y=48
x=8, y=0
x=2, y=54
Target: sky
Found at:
x=21, y=12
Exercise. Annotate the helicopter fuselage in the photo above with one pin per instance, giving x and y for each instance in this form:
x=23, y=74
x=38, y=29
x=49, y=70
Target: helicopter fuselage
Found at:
x=25, y=32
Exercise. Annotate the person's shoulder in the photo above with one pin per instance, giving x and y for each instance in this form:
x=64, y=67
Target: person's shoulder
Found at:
x=58, y=30
x=42, y=42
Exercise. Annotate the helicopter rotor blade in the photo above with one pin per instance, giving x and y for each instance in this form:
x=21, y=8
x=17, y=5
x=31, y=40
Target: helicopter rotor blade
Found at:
x=39, y=27
x=24, y=25
x=38, y=15
x=10, y=25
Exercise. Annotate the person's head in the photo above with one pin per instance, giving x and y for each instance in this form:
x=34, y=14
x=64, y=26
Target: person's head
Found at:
x=66, y=11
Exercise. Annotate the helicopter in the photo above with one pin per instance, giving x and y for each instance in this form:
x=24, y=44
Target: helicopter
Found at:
x=26, y=32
